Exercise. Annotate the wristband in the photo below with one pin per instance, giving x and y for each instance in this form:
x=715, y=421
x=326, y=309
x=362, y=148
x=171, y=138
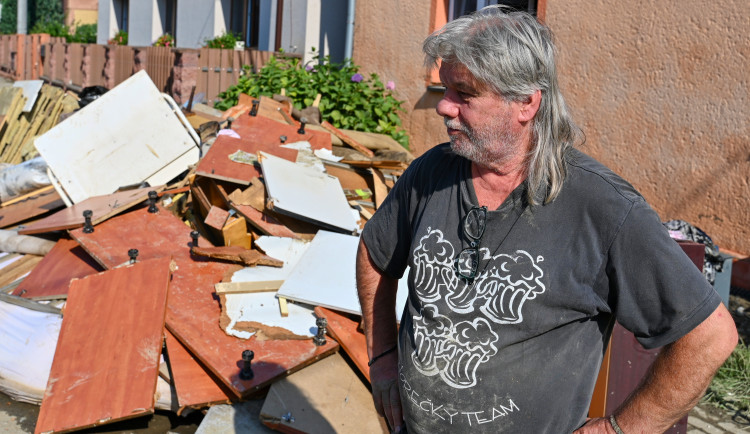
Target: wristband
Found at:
x=388, y=351
x=615, y=426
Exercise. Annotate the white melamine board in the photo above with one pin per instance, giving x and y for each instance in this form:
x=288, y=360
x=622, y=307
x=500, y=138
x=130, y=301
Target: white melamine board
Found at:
x=284, y=249
x=263, y=307
x=305, y=193
x=26, y=351
x=325, y=275
x=128, y=135
x=30, y=90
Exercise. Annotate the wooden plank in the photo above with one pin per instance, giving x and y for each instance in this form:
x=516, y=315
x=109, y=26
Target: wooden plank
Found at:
x=380, y=190
x=283, y=308
x=346, y=139
x=192, y=316
x=102, y=207
x=107, y=357
x=52, y=276
x=32, y=206
x=193, y=383
x=263, y=222
x=235, y=233
x=18, y=269
x=327, y=397
x=347, y=334
x=263, y=130
x=155, y=235
x=247, y=287
x=36, y=192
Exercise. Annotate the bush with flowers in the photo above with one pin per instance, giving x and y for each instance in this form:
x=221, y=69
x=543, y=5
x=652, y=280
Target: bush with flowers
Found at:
x=349, y=100
x=165, y=40
x=120, y=38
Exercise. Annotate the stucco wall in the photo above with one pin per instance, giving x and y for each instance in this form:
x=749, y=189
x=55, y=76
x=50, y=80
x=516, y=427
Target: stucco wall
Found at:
x=661, y=91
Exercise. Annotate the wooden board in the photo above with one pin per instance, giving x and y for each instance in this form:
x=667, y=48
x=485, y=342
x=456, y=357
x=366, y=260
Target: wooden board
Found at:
x=326, y=397
x=103, y=208
x=154, y=235
x=194, y=385
x=345, y=331
x=347, y=139
x=263, y=130
x=263, y=222
x=30, y=207
x=51, y=277
x=18, y=269
x=107, y=357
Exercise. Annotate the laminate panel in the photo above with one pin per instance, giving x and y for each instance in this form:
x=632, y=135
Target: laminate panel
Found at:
x=30, y=207
x=52, y=275
x=107, y=357
x=264, y=130
x=345, y=331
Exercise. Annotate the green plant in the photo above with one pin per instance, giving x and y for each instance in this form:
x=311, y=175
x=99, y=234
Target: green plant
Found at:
x=730, y=388
x=165, y=40
x=349, y=100
x=226, y=40
x=120, y=38
x=83, y=34
x=8, y=19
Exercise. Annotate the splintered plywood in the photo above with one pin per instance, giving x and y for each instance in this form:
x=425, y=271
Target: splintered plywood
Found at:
x=103, y=147
x=154, y=235
x=193, y=383
x=218, y=164
x=326, y=397
x=107, y=357
x=306, y=194
x=102, y=208
x=52, y=276
x=347, y=334
x=193, y=317
x=35, y=205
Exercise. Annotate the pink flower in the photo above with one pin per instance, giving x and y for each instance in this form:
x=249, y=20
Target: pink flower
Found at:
x=390, y=85
x=357, y=77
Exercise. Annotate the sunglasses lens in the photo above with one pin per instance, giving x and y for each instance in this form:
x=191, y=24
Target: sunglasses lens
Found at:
x=474, y=222
x=467, y=263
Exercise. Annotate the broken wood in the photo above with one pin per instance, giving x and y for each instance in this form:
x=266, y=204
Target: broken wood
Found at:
x=238, y=254
x=28, y=206
x=247, y=287
x=346, y=139
x=283, y=308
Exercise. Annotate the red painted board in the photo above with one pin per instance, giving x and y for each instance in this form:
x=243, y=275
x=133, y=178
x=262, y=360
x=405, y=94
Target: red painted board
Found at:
x=263, y=130
x=107, y=357
x=263, y=222
x=30, y=207
x=155, y=235
x=102, y=208
x=344, y=330
x=52, y=276
x=216, y=163
x=193, y=317
x=193, y=383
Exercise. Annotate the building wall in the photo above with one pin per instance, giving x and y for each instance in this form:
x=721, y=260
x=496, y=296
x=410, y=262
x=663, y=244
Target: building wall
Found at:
x=79, y=12
x=197, y=21
x=143, y=21
x=660, y=89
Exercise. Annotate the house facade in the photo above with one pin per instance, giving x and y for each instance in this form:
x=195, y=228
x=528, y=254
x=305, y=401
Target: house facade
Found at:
x=660, y=91
x=295, y=26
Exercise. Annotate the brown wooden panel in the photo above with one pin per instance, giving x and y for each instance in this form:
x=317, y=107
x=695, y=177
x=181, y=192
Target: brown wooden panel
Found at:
x=107, y=357
x=265, y=130
x=264, y=223
x=51, y=277
x=193, y=382
x=193, y=317
x=33, y=206
x=345, y=331
x=154, y=235
x=103, y=208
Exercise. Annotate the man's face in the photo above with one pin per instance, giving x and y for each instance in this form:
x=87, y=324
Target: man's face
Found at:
x=481, y=125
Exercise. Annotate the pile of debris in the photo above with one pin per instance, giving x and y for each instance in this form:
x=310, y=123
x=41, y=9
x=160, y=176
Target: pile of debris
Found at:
x=183, y=258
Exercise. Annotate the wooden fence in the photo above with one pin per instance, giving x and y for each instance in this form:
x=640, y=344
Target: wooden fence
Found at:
x=173, y=71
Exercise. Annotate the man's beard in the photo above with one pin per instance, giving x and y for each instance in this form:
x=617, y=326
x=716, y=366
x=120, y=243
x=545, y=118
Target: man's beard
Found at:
x=492, y=145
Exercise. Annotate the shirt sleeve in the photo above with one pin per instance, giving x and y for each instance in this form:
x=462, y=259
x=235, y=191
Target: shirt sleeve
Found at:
x=659, y=294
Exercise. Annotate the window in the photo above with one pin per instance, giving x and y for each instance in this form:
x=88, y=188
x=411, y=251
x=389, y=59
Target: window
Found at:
x=170, y=17
x=458, y=8
x=121, y=14
x=243, y=21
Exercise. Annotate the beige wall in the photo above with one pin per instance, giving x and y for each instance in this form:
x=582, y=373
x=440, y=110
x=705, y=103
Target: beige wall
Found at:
x=660, y=89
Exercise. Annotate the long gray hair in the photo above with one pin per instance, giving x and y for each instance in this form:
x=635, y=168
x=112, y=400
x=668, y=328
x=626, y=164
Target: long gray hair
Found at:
x=513, y=54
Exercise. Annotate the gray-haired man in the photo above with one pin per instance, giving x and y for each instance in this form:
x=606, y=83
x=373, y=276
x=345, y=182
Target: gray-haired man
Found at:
x=523, y=251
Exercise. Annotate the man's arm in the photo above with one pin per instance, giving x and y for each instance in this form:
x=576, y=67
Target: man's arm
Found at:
x=677, y=379
x=377, y=297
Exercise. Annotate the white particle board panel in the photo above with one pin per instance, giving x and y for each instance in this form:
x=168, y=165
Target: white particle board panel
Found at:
x=30, y=90
x=306, y=194
x=263, y=307
x=285, y=249
x=127, y=136
x=325, y=275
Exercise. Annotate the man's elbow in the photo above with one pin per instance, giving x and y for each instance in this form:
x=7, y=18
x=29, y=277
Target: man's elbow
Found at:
x=722, y=333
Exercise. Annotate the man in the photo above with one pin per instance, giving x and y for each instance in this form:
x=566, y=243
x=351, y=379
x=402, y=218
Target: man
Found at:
x=523, y=252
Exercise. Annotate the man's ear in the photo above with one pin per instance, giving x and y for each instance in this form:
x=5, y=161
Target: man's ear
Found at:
x=530, y=106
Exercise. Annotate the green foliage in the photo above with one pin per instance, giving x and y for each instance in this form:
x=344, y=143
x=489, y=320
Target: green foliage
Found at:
x=9, y=19
x=348, y=99
x=120, y=38
x=226, y=40
x=46, y=13
x=730, y=388
x=52, y=28
x=165, y=40
x=84, y=34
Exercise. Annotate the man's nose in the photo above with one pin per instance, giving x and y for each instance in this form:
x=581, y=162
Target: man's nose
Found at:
x=447, y=106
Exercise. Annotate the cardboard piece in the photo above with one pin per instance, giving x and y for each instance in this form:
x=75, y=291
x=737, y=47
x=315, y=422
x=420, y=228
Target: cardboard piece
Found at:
x=102, y=207
x=104, y=147
x=107, y=358
x=306, y=194
x=326, y=397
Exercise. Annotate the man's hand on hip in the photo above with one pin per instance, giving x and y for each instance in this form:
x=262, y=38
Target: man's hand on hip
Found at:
x=384, y=381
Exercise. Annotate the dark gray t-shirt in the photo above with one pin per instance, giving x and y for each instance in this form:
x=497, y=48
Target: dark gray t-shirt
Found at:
x=519, y=349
